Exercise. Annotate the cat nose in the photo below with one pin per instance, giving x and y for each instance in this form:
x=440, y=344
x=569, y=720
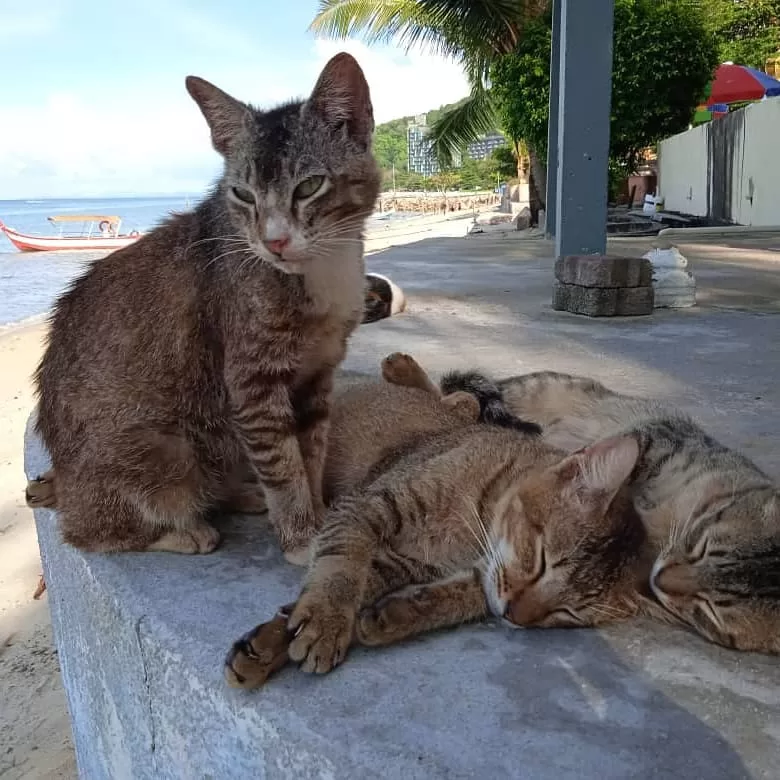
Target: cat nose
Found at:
x=676, y=579
x=277, y=245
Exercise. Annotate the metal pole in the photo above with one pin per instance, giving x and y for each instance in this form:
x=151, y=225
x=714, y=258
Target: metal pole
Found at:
x=585, y=91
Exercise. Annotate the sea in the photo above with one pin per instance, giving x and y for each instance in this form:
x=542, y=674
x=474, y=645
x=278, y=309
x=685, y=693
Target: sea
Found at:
x=30, y=282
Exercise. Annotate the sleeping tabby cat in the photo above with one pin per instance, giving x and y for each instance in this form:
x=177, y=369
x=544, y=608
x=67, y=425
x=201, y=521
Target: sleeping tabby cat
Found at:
x=712, y=517
x=183, y=368
x=431, y=516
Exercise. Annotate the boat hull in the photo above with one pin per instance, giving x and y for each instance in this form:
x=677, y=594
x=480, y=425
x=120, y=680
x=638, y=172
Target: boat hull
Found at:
x=27, y=243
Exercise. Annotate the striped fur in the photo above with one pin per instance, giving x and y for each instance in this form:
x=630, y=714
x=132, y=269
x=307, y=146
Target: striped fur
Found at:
x=183, y=369
x=455, y=520
x=492, y=406
x=711, y=515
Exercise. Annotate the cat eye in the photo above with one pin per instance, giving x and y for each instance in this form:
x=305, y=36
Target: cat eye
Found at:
x=308, y=187
x=243, y=194
x=564, y=615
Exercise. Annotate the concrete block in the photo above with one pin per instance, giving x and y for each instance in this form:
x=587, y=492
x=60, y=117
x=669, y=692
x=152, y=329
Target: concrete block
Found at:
x=523, y=219
x=603, y=271
x=603, y=301
x=142, y=638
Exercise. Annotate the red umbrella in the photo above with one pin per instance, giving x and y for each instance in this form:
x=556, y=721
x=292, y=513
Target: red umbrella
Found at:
x=735, y=83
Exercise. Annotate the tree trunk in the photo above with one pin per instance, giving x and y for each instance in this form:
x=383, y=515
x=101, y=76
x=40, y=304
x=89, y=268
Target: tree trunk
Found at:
x=539, y=176
x=537, y=190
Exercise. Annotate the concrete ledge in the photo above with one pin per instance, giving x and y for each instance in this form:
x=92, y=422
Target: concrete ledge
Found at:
x=141, y=641
x=720, y=231
x=603, y=301
x=604, y=271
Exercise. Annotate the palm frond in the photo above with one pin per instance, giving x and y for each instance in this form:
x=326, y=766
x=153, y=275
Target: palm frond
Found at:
x=462, y=125
x=375, y=21
x=453, y=28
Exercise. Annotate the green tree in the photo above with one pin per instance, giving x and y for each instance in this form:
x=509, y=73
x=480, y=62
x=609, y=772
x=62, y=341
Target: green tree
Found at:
x=504, y=162
x=473, y=32
x=390, y=148
x=445, y=180
x=480, y=174
x=747, y=31
x=653, y=96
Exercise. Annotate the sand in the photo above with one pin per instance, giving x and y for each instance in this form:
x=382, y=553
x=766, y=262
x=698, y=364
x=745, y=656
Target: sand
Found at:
x=34, y=727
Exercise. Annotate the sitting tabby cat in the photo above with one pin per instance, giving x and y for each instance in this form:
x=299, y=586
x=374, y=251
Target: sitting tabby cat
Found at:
x=711, y=516
x=181, y=369
x=444, y=522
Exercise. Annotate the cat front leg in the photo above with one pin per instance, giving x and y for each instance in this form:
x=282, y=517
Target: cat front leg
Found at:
x=312, y=405
x=265, y=422
x=324, y=615
x=261, y=652
x=416, y=609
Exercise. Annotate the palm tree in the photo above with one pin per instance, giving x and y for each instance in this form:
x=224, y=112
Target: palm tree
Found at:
x=473, y=32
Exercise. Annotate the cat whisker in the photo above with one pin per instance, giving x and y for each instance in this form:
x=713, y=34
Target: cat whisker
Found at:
x=225, y=239
x=227, y=254
x=487, y=541
x=481, y=548
x=350, y=220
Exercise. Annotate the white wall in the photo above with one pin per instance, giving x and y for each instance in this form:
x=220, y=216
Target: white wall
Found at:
x=689, y=164
x=760, y=167
x=682, y=172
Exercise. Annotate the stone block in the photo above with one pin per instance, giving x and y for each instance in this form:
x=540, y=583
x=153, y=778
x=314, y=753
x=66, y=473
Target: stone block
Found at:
x=523, y=219
x=141, y=641
x=604, y=271
x=603, y=301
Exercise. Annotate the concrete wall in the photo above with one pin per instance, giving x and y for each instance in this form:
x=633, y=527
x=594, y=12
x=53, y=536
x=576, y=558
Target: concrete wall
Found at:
x=728, y=169
x=683, y=172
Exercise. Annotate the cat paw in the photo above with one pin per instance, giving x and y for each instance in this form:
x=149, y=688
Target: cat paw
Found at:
x=259, y=653
x=298, y=556
x=295, y=541
x=392, y=618
x=323, y=632
x=401, y=369
x=40, y=491
x=197, y=540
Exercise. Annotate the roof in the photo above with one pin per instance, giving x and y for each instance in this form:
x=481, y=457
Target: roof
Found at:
x=84, y=218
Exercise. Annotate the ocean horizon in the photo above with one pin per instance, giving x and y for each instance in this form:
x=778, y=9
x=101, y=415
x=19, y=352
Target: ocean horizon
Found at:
x=30, y=282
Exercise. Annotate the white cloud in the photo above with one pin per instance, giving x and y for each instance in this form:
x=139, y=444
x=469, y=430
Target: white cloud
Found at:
x=153, y=138
x=401, y=85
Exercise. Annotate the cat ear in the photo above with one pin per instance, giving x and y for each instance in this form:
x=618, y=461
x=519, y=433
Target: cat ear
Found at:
x=341, y=97
x=596, y=473
x=224, y=114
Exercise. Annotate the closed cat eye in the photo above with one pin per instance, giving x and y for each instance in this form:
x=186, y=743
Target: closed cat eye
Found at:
x=563, y=615
x=308, y=187
x=244, y=195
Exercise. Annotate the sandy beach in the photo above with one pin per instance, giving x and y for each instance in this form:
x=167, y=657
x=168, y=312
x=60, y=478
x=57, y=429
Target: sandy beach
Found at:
x=34, y=727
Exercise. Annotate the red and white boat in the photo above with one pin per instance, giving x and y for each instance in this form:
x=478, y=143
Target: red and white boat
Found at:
x=97, y=231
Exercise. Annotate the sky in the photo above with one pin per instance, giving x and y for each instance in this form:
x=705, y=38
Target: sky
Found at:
x=93, y=100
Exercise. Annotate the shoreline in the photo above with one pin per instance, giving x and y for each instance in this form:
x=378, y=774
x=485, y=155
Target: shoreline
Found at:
x=393, y=232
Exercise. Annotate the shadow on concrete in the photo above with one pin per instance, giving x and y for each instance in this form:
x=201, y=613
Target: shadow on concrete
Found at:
x=486, y=303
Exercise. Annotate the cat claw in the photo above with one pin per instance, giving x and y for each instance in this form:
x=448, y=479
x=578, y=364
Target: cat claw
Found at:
x=40, y=492
x=259, y=653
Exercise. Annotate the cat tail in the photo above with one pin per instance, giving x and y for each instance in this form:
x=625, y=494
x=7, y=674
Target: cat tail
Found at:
x=492, y=408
